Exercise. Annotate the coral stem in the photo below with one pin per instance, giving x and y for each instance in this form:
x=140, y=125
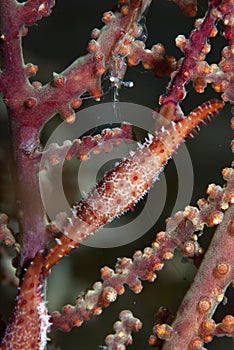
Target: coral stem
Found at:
x=202, y=298
x=198, y=38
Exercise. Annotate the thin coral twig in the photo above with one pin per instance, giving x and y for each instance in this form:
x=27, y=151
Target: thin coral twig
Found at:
x=82, y=148
x=193, y=48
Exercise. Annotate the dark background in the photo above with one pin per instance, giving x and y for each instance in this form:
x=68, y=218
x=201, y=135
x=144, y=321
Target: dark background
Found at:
x=53, y=44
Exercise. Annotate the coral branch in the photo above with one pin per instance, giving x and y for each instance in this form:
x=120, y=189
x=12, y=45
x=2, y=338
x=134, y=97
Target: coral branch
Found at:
x=195, y=50
x=123, y=329
x=29, y=325
x=219, y=75
x=13, y=74
x=125, y=185
x=179, y=233
x=82, y=148
x=62, y=95
x=120, y=42
x=202, y=298
x=34, y=10
x=155, y=58
x=226, y=327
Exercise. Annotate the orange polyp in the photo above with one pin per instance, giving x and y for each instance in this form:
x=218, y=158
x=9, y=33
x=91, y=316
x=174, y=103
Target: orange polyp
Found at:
x=189, y=248
x=96, y=93
x=147, y=65
x=31, y=69
x=77, y=322
x=58, y=81
x=92, y=46
x=222, y=269
x=107, y=16
x=163, y=331
x=76, y=103
x=132, y=61
x=204, y=305
x=195, y=344
x=208, y=326
x=83, y=156
x=125, y=10
x=228, y=322
x=217, y=87
x=199, y=85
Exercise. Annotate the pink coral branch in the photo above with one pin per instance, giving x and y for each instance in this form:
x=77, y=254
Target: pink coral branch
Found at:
x=155, y=58
x=82, y=148
x=30, y=105
x=123, y=329
x=84, y=75
x=202, y=298
x=194, y=49
x=13, y=74
x=219, y=75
